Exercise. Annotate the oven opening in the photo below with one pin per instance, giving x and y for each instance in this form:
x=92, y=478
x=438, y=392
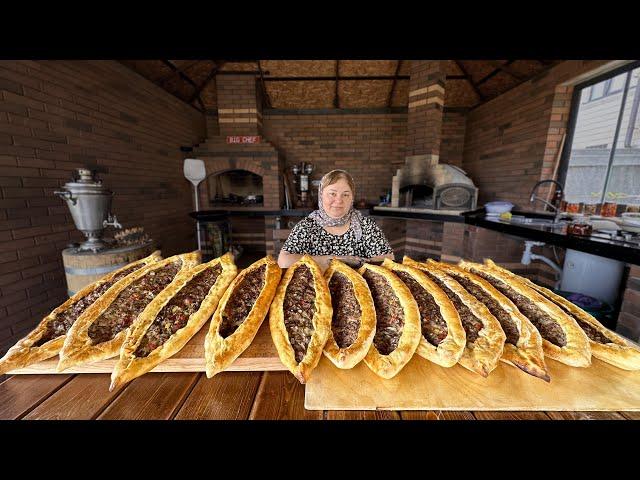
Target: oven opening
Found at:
x=235, y=188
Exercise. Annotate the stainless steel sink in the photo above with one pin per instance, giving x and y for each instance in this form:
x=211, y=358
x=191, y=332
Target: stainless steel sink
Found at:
x=544, y=222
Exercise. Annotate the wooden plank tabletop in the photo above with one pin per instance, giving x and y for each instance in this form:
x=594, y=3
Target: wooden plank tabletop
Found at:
x=229, y=395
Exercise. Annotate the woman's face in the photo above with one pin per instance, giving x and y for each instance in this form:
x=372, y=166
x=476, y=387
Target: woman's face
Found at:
x=337, y=198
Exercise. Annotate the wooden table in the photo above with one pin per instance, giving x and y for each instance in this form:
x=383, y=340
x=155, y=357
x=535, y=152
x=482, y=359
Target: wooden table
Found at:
x=191, y=396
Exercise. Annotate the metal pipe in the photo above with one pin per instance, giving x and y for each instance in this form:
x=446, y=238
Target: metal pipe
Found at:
x=632, y=117
x=615, y=139
x=558, y=270
x=528, y=256
x=195, y=189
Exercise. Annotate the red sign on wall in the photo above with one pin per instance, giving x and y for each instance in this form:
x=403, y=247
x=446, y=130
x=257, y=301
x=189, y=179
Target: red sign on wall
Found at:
x=244, y=139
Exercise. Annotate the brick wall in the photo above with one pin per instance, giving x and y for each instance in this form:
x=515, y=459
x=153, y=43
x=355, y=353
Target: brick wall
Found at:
x=59, y=115
x=370, y=146
x=512, y=141
x=237, y=107
x=426, y=101
x=452, y=141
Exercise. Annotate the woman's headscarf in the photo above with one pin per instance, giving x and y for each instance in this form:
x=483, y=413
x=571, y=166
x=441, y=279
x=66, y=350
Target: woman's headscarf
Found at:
x=322, y=218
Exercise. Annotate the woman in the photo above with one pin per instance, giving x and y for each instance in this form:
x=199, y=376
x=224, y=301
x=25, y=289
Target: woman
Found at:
x=336, y=229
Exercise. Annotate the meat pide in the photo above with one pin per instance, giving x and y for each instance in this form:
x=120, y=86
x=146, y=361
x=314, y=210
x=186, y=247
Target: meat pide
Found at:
x=46, y=340
x=354, y=316
x=485, y=337
x=300, y=317
x=240, y=313
x=606, y=345
x=443, y=338
x=100, y=331
x=523, y=346
x=174, y=316
x=398, y=330
x=562, y=338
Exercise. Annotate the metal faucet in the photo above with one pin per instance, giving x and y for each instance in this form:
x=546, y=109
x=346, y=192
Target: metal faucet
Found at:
x=553, y=207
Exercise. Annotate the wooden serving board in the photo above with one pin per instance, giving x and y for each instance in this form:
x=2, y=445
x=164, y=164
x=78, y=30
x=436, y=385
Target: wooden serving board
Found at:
x=423, y=385
x=260, y=356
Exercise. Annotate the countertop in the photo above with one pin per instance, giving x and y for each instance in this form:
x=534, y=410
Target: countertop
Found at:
x=616, y=250
x=603, y=247
x=377, y=211
x=227, y=396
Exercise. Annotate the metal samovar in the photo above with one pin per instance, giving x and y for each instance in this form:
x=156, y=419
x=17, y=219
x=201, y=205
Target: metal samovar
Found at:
x=90, y=206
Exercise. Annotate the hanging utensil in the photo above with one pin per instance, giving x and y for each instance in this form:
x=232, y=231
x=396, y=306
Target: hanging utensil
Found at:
x=195, y=172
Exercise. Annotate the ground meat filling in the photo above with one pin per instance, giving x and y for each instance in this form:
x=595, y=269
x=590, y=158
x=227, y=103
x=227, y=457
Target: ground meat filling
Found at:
x=508, y=325
x=471, y=324
x=345, y=323
x=548, y=328
x=592, y=333
x=241, y=301
x=124, y=310
x=299, y=308
x=62, y=323
x=175, y=314
x=389, y=313
x=434, y=328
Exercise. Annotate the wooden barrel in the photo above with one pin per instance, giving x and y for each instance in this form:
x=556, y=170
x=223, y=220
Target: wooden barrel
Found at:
x=82, y=268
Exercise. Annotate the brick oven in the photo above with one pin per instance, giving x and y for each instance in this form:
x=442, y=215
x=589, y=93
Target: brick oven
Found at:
x=242, y=171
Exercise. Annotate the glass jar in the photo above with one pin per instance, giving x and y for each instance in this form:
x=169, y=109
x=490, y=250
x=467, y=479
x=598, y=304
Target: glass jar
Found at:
x=633, y=209
x=590, y=208
x=580, y=226
x=573, y=208
x=609, y=209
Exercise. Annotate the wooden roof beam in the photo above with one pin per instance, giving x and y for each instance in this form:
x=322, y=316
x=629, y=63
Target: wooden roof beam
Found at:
x=470, y=80
x=180, y=73
x=393, y=85
x=206, y=81
x=328, y=79
x=264, y=87
x=506, y=69
x=174, y=72
x=493, y=73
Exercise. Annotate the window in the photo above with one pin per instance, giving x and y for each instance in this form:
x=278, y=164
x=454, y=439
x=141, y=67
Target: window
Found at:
x=604, y=88
x=602, y=161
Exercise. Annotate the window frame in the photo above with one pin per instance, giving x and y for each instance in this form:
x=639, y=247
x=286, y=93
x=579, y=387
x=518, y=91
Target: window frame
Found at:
x=573, y=116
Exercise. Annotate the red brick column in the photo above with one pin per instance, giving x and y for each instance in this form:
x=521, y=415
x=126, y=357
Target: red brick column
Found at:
x=237, y=105
x=426, y=101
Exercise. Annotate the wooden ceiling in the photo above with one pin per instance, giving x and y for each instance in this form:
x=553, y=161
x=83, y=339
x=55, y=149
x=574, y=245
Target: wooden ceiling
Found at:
x=322, y=84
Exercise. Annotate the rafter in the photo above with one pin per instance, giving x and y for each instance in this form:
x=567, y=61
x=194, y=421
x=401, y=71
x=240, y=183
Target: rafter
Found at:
x=180, y=73
x=174, y=72
x=506, y=69
x=264, y=88
x=393, y=85
x=201, y=87
x=469, y=79
x=327, y=79
x=493, y=73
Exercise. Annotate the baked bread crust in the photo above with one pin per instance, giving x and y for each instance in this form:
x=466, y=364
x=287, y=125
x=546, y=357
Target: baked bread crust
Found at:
x=24, y=353
x=130, y=366
x=527, y=353
x=619, y=353
x=448, y=352
x=388, y=366
x=321, y=322
x=577, y=351
x=221, y=352
x=482, y=355
x=78, y=347
x=350, y=356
